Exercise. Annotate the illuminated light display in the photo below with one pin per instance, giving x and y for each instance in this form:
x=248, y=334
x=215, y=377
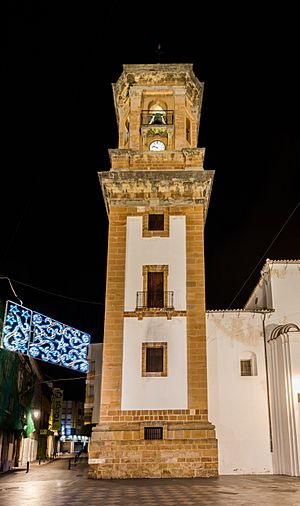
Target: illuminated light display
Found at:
x=16, y=327
x=59, y=344
x=44, y=338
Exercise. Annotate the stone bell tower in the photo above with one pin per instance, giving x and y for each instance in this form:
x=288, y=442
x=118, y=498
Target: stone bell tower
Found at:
x=153, y=415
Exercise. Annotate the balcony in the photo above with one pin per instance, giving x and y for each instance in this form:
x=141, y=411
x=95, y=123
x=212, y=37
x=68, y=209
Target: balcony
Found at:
x=157, y=118
x=155, y=300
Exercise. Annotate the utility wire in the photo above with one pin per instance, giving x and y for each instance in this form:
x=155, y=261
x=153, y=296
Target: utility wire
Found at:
x=69, y=379
x=46, y=291
x=55, y=380
x=264, y=255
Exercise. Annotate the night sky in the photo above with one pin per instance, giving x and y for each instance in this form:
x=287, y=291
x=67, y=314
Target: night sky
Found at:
x=58, y=122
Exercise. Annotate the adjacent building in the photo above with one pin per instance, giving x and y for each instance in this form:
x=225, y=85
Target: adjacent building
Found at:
x=254, y=376
x=93, y=385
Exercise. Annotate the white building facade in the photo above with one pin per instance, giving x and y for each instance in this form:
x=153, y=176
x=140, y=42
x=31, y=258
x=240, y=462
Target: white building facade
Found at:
x=254, y=376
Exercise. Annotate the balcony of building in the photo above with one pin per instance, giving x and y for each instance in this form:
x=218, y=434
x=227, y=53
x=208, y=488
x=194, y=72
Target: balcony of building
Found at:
x=155, y=300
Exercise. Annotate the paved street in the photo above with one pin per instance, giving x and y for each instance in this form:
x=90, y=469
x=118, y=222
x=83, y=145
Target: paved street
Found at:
x=53, y=484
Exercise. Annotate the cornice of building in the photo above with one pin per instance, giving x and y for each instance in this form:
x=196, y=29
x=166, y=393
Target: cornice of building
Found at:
x=262, y=310
x=164, y=188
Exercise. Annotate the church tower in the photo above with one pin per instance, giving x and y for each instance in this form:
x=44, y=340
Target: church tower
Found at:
x=153, y=415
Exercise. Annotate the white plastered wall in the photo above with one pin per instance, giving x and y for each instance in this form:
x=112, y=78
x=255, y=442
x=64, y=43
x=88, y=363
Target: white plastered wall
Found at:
x=238, y=405
x=294, y=338
x=169, y=251
x=168, y=392
x=285, y=286
x=285, y=283
x=284, y=371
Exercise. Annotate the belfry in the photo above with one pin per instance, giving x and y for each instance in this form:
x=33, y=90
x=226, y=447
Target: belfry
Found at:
x=153, y=415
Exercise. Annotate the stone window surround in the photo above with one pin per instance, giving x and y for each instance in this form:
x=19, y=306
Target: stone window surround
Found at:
x=147, y=345
x=156, y=233
x=155, y=268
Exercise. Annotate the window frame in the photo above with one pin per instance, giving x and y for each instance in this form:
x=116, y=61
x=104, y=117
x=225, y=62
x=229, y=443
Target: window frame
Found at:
x=246, y=368
x=151, y=374
x=248, y=356
x=156, y=268
x=152, y=222
x=156, y=233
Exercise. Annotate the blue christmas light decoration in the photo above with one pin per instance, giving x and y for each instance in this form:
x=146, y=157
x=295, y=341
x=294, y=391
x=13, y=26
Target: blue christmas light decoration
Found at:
x=58, y=343
x=42, y=337
x=16, y=327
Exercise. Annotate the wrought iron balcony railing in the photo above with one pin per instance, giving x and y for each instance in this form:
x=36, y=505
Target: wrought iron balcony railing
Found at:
x=147, y=300
x=156, y=118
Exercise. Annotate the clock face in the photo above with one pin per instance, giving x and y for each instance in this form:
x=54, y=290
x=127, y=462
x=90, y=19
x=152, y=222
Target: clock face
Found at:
x=157, y=146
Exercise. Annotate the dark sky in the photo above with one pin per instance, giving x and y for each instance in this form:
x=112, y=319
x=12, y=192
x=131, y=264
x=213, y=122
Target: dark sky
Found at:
x=58, y=121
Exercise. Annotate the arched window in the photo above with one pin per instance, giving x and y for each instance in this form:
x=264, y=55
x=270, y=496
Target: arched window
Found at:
x=157, y=115
x=126, y=131
x=188, y=130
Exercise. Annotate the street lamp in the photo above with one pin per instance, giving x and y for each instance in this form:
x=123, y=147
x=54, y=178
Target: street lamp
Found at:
x=36, y=413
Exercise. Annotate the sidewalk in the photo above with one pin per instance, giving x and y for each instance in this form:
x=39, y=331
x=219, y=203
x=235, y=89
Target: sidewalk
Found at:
x=57, y=485
x=73, y=457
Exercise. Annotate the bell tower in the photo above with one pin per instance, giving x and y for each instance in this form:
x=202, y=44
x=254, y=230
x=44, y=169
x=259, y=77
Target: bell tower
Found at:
x=153, y=415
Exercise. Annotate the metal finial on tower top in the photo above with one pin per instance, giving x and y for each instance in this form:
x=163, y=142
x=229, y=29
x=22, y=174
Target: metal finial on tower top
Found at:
x=159, y=53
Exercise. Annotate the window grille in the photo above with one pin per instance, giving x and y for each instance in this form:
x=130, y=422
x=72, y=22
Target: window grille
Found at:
x=153, y=433
x=246, y=368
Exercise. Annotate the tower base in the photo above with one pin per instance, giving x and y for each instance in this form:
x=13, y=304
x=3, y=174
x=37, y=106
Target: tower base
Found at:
x=188, y=448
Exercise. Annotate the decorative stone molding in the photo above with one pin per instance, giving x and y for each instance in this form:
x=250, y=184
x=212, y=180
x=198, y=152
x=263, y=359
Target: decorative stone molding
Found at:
x=188, y=187
x=192, y=158
x=154, y=312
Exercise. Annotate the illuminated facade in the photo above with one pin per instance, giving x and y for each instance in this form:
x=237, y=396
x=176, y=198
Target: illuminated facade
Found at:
x=153, y=415
x=254, y=376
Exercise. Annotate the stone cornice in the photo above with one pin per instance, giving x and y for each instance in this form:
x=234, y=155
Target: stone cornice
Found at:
x=148, y=188
x=184, y=158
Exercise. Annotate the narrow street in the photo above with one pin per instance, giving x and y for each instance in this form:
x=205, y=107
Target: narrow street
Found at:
x=54, y=484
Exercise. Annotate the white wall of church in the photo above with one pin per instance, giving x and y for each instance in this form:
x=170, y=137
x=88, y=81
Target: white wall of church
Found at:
x=294, y=341
x=237, y=405
x=284, y=369
x=169, y=251
x=168, y=392
x=285, y=281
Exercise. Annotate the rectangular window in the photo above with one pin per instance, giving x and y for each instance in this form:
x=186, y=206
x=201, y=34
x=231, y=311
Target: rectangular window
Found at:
x=155, y=359
x=156, y=222
x=246, y=368
x=153, y=432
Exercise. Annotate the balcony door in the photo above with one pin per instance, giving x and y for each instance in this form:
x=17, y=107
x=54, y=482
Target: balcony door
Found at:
x=155, y=293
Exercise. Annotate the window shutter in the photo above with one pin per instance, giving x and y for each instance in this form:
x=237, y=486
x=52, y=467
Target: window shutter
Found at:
x=154, y=359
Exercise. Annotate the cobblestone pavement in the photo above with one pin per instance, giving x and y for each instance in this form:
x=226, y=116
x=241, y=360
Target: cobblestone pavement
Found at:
x=55, y=484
